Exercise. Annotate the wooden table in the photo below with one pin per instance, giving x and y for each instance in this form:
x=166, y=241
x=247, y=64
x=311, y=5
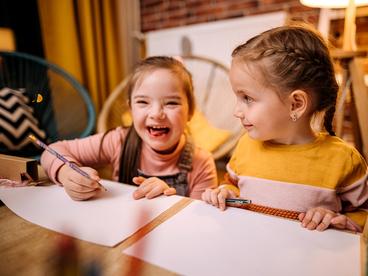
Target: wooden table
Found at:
x=28, y=249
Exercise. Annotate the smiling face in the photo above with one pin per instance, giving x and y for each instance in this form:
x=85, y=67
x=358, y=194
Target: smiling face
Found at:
x=262, y=112
x=160, y=110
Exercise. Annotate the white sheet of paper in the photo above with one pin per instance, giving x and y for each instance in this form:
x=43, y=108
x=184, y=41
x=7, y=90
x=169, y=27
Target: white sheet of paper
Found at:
x=202, y=240
x=106, y=220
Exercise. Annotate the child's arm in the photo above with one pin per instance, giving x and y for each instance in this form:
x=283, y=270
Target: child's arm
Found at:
x=203, y=175
x=80, y=151
x=151, y=187
x=353, y=194
x=83, y=152
x=86, y=151
x=355, y=201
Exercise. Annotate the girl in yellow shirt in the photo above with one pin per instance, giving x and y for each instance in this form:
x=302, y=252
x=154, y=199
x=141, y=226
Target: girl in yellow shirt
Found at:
x=284, y=80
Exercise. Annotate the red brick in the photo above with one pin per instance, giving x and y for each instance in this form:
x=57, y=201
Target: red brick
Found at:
x=157, y=14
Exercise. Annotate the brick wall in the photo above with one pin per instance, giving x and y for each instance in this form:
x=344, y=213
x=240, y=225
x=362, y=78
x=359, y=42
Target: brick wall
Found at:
x=161, y=14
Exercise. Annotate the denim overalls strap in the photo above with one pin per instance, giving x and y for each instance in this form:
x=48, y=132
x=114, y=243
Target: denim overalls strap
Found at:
x=179, y=180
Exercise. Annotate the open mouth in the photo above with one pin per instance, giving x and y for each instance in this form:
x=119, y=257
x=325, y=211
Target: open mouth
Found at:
x=158, y=130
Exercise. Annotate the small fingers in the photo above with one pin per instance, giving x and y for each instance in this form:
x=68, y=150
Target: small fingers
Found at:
x=150, y=188
x=343, y=222
x=78, y=196
x=307, y=218
x=206, y=195
x=213, y=197
x=145, y=185
x=155, y=191
x=217, y=197
x=170, y=191
x=325, y=223
x=351, y=226
x=312, y=219
x=339, y=222
x=318, y=218
x=138, y=180
x=139, y=193
x=92, y=173
x=223, y=194
x=81, y=185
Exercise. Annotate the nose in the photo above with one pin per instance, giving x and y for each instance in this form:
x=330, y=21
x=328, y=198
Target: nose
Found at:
x=238, y=112
x=157, y=111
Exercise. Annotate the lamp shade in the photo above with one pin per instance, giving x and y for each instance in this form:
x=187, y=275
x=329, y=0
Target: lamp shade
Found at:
x=332, y=3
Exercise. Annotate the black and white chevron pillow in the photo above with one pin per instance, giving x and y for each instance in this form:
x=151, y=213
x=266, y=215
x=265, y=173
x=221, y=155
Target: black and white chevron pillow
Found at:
x=17, y=121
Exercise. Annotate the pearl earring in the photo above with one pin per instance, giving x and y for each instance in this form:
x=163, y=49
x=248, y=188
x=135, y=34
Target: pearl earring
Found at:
x=294, y=117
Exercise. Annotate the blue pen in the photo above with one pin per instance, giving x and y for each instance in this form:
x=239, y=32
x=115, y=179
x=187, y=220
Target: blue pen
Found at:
x=238, y=200
x=62, y=158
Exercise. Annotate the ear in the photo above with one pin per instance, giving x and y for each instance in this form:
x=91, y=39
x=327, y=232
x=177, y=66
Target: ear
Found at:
x=299, y=103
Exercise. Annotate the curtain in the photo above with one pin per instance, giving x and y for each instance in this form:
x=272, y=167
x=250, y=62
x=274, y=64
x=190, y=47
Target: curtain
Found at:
x=89, y=40
x=7, y=41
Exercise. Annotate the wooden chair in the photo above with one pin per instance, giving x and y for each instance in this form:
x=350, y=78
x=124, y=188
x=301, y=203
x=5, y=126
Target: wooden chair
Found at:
x=353, y=85
x=214, y=100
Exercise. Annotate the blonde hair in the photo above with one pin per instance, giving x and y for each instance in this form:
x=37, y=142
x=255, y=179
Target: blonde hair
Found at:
x=294, y=57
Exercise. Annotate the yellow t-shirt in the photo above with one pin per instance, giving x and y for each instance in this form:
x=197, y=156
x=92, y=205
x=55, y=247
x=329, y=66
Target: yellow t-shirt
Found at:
x=327, y=173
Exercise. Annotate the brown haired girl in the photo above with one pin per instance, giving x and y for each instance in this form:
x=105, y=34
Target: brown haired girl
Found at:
x=282, y=79
x=154, y=153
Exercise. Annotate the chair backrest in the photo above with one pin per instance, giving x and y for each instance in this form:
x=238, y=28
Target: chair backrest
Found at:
x=213, y=97
x=61, y=105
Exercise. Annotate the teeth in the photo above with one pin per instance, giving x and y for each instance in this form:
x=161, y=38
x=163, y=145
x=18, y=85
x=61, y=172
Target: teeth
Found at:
x=158, y=127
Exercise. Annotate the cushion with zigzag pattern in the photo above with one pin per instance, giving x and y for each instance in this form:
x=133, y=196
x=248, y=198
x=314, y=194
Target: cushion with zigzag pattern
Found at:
x=17, y=121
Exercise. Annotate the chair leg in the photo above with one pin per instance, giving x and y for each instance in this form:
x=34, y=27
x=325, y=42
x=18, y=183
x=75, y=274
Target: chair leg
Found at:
x=360, y=100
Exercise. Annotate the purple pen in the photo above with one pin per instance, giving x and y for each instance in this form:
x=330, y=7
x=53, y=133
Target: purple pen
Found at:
x=72, y=165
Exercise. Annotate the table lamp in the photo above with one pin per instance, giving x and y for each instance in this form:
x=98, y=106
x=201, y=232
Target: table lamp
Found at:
x=349, y=26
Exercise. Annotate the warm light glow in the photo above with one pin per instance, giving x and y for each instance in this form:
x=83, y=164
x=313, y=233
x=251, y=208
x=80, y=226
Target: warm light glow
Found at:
x=332, y=3
x=349, y=43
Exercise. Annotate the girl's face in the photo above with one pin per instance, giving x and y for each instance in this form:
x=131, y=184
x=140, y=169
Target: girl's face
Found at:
x=159, y=109
x=261, y=111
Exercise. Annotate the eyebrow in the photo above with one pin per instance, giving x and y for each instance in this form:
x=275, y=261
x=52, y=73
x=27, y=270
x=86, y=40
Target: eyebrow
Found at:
x=164, y=98
x=140, y=96
x=246, y=92
x=173, y=98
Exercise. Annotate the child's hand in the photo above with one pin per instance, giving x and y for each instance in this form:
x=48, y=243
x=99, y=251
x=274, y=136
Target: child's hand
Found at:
x=320, y=219
x=317, y=218
x=151, y=187
x=77, y=186
x=217, y=197
x=343, y=222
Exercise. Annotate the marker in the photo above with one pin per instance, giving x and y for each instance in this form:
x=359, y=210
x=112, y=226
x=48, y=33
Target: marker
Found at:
x=238, y=201
x=72, y=165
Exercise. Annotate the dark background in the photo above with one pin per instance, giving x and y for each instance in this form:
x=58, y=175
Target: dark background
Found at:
x=22, y=17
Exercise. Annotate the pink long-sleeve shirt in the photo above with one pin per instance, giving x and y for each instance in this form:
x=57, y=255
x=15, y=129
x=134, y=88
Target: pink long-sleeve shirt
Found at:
x=86, y=152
